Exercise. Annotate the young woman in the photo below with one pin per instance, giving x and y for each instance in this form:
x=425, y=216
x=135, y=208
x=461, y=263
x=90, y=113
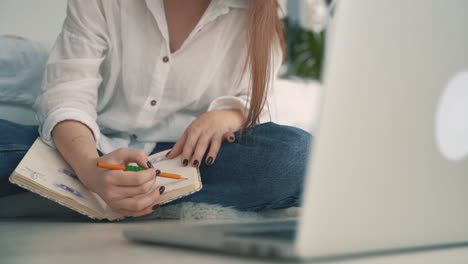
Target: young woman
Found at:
x=131, y=78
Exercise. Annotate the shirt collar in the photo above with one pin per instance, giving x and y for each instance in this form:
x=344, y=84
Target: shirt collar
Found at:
x=215, y=9
x=235, y=3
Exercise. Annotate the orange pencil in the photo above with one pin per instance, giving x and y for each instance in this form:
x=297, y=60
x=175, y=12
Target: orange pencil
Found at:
x=136, y=168
x=171, y=175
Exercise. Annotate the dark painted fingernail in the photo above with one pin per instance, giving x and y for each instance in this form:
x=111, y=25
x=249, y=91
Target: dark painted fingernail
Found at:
x=209, y=161
x=162, y=189
x=231, y=138
x=185, y=162
x=157, y=172
x=156, y=206
x=168, y=153
x=195, y=163
x=149, y=164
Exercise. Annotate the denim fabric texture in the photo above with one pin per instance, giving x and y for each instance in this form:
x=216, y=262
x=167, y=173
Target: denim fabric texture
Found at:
x=15, y=140
x=263, y=169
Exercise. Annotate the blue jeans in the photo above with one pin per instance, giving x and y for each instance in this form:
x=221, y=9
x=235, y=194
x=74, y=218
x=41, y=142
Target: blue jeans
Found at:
x=263, y=169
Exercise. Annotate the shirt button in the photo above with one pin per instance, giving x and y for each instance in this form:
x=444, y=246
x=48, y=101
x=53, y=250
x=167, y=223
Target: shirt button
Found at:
x=165, y=59
x=134, y=136
x=153, y=102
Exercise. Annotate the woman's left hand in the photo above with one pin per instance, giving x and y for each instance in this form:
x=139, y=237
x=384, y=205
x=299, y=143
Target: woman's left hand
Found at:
x=207, y=133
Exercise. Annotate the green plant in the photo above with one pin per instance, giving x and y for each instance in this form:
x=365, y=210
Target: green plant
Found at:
x=304, y=51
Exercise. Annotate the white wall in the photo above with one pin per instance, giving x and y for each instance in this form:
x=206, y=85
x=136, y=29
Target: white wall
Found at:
x=39, y=20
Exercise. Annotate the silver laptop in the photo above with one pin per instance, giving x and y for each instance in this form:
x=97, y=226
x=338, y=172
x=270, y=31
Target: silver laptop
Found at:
x=389, y=168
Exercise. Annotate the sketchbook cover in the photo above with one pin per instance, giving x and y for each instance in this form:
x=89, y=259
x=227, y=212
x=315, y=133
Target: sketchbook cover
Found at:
x=43, y=171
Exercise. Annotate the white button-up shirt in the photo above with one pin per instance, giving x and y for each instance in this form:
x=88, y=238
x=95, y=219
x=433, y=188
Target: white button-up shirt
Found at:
x=111, y=68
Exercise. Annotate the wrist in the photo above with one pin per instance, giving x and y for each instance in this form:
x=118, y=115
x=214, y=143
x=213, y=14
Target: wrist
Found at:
x=237, y=117
x=86, y=168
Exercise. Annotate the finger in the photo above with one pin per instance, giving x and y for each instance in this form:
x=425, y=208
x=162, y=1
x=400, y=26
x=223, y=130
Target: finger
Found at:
x=129, y=155
x=147, y=210
x=229, y=137
x=189, y=148
x=137, y=204
x=200, y=150
x=215, y=145
x=125, y=192
x=177, y=148
x=130, y=178
x=114, y=193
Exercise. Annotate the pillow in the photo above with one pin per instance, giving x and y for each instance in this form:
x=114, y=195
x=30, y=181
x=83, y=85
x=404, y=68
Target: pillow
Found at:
x=22, y=64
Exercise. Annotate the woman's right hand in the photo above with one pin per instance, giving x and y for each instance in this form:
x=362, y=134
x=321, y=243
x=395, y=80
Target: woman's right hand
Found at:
x=126, y=192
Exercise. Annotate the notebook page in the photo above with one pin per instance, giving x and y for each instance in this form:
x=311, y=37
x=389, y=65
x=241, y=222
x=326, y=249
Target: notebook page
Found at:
x=174, y=166
x=43, y=167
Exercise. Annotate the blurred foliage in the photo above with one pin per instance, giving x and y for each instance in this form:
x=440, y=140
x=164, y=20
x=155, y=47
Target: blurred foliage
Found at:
x=304, y=51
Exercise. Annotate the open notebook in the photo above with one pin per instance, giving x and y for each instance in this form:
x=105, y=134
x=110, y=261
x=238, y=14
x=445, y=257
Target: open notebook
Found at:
x=43, y=171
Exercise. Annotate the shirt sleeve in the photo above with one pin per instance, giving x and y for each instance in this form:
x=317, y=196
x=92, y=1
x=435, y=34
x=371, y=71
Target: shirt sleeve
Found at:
x=241, y=99
x=71, y=79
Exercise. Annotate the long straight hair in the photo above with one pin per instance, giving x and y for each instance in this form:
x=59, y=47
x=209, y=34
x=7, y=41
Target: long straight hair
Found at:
x=264, y=34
